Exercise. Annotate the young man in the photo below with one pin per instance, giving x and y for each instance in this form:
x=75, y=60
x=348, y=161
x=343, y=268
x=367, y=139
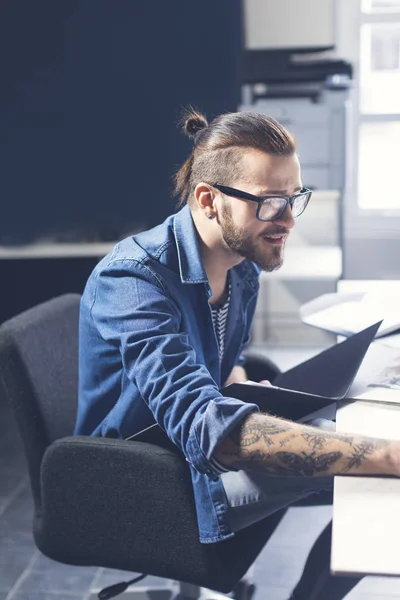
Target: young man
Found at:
x=165, y=317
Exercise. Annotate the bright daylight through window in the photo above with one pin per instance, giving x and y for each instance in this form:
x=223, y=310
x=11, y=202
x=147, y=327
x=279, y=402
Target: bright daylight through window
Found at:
x=379, y=105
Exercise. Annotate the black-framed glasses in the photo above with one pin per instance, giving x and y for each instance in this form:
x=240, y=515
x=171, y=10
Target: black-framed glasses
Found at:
x=271, y=208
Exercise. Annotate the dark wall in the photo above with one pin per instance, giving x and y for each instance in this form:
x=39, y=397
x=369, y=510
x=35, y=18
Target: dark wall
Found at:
x=91, y=91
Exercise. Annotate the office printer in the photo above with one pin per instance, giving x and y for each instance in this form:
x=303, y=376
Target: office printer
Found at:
x=309, y=94
x=293, y=73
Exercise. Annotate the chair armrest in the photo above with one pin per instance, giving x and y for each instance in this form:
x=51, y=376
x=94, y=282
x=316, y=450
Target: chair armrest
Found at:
x=119, y=504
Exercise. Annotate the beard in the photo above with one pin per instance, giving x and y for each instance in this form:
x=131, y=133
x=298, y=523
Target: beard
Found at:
x=238, y=240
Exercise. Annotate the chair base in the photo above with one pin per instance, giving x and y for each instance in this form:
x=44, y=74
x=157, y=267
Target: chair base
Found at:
x=181, y=591
x=187, y=591
x=142, y=593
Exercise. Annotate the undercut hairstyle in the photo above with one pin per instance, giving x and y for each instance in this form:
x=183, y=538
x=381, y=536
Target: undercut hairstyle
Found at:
x=218, y=147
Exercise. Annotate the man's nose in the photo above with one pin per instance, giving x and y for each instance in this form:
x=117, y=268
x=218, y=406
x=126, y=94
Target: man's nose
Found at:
x=286, y=219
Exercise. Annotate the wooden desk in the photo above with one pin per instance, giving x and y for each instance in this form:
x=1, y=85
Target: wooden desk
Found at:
x=366, y=510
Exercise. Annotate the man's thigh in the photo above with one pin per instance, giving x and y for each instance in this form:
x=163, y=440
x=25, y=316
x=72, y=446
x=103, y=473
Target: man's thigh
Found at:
x=254, y=496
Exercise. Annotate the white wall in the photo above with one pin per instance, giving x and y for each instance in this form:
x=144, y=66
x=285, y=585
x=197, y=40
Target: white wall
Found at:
x=289, y=23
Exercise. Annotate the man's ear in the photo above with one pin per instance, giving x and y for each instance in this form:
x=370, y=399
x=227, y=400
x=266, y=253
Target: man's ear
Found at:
x=205, y=195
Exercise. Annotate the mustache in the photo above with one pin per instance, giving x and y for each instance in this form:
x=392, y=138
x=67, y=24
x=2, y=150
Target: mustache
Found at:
x=275, y=231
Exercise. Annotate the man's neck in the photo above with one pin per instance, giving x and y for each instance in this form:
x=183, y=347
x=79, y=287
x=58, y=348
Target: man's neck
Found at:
x=217, y=258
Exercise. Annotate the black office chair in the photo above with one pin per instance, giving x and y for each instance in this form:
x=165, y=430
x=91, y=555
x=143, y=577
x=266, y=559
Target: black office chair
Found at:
x=106, y=502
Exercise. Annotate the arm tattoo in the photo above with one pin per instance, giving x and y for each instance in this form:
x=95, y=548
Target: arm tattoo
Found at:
x=317, y=441
x=347, y=439
x=283, y=442
x=252, y=431
x=308, y=464
x=359, y=453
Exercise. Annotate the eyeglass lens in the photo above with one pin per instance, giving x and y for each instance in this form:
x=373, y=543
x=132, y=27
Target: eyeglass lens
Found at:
x=273, y=206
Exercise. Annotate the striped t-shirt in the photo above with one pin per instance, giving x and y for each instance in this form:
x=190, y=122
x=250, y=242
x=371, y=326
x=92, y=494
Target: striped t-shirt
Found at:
x=220, y=319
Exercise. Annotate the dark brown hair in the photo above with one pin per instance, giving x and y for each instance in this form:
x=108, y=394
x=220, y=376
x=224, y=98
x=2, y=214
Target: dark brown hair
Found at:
x=216, y=153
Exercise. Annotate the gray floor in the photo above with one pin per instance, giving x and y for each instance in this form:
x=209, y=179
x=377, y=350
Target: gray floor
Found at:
x=25, y=574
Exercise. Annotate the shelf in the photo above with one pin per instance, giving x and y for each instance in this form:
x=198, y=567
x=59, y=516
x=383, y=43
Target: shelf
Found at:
x=301, y=262
x=44, y=251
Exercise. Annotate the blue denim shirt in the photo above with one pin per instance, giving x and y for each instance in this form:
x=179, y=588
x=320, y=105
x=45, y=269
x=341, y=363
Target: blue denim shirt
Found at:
x=148, y=352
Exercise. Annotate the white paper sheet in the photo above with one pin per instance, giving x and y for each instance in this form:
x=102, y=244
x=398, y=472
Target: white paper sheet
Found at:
x=350, y=313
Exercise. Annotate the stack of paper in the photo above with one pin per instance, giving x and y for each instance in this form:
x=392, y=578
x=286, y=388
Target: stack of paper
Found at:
x=346, y=314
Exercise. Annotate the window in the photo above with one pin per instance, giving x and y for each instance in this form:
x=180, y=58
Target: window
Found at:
x=378, y=175
x=378, y=100
x=380, y=68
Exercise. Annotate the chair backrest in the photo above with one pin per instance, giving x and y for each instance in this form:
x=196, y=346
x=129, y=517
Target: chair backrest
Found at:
x=39, y=375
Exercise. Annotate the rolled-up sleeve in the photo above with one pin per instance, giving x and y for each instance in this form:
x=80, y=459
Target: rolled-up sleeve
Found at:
x=134, y=312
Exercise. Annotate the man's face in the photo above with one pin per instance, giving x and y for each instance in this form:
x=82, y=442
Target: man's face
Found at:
x=262, y=242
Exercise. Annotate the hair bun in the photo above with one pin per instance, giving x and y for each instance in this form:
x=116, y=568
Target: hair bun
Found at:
x=193, y=122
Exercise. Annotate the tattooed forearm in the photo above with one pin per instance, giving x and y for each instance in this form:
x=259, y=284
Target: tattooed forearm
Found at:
x=285, y=448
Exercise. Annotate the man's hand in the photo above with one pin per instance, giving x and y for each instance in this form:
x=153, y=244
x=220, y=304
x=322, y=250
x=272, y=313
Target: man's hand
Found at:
x=262, y=382
x=238, y=375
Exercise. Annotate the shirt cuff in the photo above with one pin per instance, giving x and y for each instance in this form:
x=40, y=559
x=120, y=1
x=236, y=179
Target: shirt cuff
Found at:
x=214, y=423
x=218, y=467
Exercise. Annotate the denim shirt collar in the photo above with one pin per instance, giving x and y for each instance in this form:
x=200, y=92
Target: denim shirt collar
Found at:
x=191, y=267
